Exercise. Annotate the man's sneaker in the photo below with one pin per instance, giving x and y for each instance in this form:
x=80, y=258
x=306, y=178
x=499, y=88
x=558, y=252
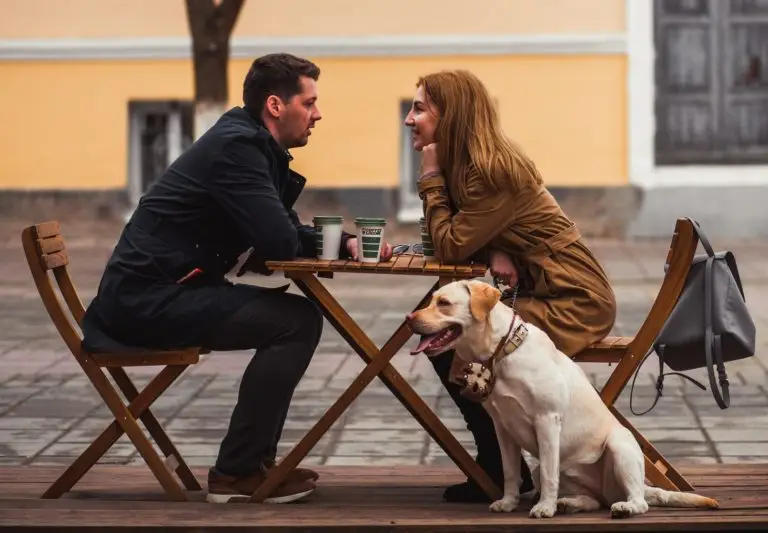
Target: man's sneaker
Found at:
x=230, y=489
x=297, y=474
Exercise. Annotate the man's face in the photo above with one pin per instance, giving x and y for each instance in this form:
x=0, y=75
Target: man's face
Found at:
x=298, y=115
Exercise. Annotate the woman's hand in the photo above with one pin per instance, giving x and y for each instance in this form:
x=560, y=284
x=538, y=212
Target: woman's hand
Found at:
x=503, y=268
x=353, y=249
x=429, y=159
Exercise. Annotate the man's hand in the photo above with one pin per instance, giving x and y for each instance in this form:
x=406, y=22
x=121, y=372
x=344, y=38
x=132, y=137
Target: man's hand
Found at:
x=385, y=255
x=255, y=264
x=503, y=268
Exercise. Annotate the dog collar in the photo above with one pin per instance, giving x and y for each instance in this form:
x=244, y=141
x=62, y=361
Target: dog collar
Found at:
x=479, y=378
x=511, y=341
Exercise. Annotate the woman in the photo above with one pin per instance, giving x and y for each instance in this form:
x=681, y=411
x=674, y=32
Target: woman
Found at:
x=484, y=199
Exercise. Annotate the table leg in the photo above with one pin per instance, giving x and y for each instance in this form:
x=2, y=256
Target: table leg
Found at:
x=378, y=364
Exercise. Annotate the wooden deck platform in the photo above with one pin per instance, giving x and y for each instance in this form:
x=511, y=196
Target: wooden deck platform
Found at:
x=353, y=498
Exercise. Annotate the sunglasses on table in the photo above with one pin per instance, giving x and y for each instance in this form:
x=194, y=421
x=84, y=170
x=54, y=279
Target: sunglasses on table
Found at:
x=400, y=249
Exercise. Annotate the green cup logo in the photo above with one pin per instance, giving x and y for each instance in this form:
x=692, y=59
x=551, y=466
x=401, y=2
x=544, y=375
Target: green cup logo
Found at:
x=426, y=240
x=370, y=235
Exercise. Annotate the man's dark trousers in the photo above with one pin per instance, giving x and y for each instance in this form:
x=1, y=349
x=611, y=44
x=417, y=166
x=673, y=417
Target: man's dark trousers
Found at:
x=285, y=330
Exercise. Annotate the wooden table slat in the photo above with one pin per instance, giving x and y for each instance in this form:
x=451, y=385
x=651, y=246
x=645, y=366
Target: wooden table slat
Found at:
x=479, y=269
x=417, y=265
x=447, y=270
x=406, y=264
x=464, y=270
x=385, y=266
x=402, y=263
x=339, y=265
x=432, y=267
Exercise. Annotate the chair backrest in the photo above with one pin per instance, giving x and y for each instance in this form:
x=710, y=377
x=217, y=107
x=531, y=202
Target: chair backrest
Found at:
x=45, y=251
x=678, y=264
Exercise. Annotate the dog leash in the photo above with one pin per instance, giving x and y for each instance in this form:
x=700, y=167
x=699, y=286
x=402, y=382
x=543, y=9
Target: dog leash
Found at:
x=506, y=292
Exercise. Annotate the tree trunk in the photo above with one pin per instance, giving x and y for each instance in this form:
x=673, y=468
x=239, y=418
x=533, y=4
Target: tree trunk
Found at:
x=210, y=24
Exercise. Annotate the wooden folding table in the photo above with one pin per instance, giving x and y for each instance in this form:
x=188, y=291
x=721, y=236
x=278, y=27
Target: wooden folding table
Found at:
x=304, y=273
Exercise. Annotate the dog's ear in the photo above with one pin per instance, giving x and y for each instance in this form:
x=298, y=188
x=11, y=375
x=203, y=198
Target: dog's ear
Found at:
x=482, y=298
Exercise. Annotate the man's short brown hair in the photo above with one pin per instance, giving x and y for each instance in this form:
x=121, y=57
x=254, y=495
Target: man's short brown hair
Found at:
x=276, y=74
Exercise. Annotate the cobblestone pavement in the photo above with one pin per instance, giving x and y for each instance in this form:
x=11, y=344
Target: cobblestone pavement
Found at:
x=49, y=412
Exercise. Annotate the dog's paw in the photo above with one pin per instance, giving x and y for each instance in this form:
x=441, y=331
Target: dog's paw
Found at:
x=543, y=510
x=627, y=509
x=567, y=506
x=504, y=505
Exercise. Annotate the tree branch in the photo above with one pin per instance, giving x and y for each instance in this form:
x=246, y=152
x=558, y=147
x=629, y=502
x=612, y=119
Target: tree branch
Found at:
x=226, y=15
x=199, y=12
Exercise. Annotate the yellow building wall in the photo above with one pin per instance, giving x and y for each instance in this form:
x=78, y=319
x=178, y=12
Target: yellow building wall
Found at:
x=167, y=18
x=65, y=124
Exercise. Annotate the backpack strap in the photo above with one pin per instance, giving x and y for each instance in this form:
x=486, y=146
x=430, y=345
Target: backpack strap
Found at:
x=713, y=344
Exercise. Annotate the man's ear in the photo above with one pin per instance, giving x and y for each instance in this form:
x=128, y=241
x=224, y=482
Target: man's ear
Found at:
x=273, y=106
x=482, y=298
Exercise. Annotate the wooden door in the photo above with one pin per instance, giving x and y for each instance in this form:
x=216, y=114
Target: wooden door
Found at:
x=711, y=81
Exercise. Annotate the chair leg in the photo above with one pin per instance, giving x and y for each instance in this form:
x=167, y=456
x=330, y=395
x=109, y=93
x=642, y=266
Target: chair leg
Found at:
x=155, y=429
x=658, y=470
x=84, y=462
x=124, y=422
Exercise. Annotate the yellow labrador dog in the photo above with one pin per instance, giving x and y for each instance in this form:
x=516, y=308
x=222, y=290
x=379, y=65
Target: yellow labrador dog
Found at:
x=542, y=402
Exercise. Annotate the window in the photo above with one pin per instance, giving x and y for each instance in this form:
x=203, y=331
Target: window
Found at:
x=711, y=81
x=159, y=131
x=410, y=160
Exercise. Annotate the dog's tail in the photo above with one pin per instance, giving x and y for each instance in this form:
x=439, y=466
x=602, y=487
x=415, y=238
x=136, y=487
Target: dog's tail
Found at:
x=656, y=497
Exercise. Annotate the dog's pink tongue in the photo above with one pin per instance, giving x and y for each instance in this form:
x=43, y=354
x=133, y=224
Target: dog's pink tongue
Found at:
x=424, y=343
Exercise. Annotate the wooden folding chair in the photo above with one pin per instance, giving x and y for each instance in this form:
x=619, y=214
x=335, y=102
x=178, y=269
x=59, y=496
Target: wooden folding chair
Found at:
x=45, y=251
x=629, y=352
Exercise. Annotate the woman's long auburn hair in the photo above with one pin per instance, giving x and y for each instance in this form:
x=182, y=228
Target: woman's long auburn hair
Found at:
x=469, y=134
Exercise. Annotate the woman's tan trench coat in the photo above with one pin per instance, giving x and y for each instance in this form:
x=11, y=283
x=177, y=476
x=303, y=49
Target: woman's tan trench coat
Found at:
x=563, y=289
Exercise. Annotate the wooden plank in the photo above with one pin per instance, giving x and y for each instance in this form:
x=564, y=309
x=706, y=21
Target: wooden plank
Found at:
x=406, y=264
x=301, y=263
x=479, y=269
x=170, y=357
x=385, y=267
x=339, y=265
x=402, y=263
x=447, y=270
x=323, y=264
x=417, y=265
x=609, y=350
x=399, y=475
x=51, y=244
x=367, y=267
x=431, y=267
x=391, y=498
x=55, y=260
x=464, y=271
x=47, y=229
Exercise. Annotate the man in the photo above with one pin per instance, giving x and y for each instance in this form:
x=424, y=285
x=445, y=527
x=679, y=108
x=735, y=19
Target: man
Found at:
x=165, y=285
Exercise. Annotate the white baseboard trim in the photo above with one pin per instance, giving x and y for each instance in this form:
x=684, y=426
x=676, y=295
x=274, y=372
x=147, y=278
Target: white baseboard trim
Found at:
x=704, y=176
x=331, y=46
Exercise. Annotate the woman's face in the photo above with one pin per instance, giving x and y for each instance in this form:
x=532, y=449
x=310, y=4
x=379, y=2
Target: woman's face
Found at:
x=422, y=119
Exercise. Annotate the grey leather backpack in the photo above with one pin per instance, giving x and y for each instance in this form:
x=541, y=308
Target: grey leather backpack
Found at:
x=709, y=325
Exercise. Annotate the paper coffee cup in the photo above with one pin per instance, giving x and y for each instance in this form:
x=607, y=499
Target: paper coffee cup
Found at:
x=328, y=237
x=426, y=240
x=370, y=236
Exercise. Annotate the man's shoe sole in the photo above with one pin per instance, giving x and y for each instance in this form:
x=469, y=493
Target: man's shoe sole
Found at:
x=240, y=498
